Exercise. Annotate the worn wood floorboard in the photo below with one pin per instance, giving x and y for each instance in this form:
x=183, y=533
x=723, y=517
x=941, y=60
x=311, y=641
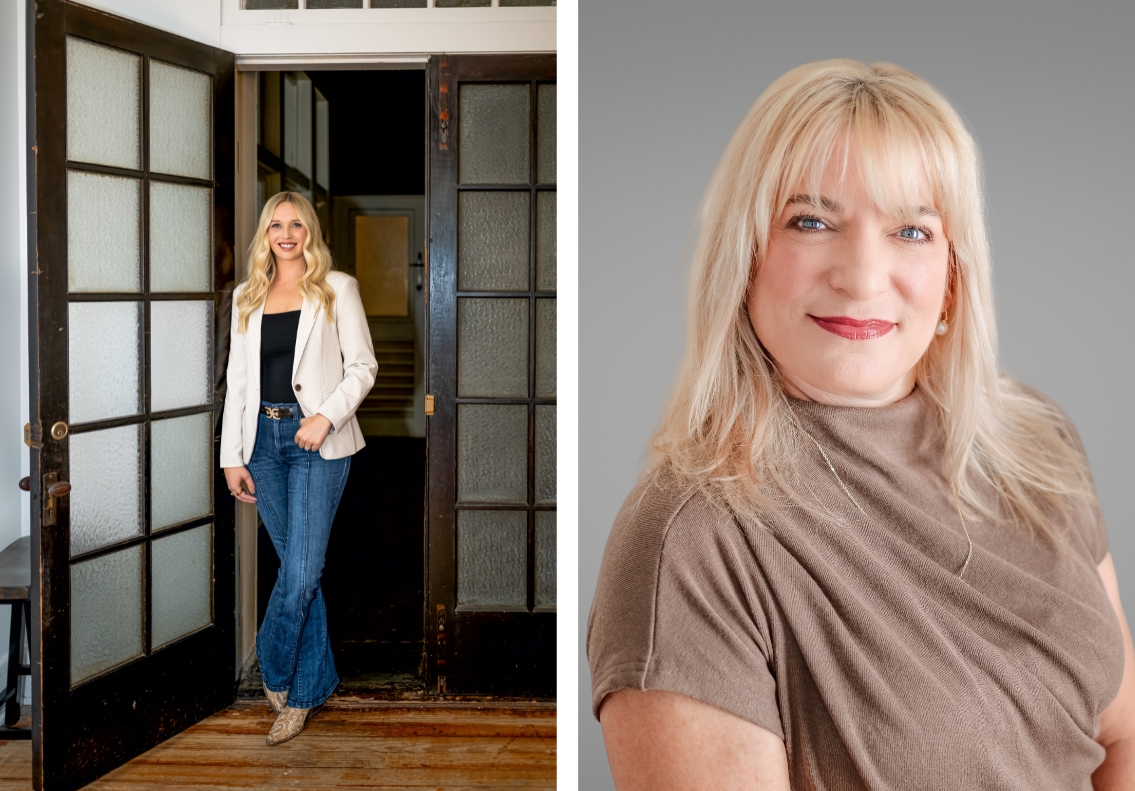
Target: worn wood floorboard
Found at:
x=347, y=746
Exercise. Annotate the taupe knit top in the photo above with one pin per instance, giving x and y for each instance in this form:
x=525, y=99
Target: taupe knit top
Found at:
x=853, y=637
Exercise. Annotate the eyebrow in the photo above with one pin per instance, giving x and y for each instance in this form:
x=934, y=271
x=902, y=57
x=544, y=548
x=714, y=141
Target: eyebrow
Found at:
x=827, y=204
x=817, y=201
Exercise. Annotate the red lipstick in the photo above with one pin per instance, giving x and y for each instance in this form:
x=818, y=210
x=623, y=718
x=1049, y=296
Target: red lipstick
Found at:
x=854, y=329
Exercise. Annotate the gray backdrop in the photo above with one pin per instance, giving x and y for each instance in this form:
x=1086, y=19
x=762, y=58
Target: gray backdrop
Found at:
x=1046, y=88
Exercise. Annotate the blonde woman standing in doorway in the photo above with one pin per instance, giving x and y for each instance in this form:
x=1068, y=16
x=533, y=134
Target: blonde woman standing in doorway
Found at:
x=301, y=361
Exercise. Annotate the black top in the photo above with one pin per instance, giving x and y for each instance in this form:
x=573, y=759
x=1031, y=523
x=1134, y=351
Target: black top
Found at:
x=277, y=353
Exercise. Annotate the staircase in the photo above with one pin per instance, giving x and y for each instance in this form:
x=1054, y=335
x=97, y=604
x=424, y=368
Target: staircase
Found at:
x=393, y=391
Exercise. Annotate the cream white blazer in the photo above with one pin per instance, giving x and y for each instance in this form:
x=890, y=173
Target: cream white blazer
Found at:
x=332, y=372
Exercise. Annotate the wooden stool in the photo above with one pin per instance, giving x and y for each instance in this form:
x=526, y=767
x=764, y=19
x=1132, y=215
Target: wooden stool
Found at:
x=15, y=582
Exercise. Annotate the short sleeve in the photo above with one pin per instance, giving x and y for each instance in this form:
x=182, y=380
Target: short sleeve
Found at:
x=676, y=608
x=1088, y=523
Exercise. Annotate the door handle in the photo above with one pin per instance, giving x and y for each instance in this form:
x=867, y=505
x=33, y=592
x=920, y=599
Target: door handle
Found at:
x=53, y=488
x=57, y=489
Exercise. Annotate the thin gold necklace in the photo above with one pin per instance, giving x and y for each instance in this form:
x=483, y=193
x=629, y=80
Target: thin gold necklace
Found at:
x=842, y=485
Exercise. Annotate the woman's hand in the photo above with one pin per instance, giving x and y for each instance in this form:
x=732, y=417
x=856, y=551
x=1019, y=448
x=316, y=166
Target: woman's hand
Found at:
x=240, y=484
x=313, y=430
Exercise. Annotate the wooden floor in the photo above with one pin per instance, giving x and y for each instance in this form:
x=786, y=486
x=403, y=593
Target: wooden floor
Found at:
x=347, y=745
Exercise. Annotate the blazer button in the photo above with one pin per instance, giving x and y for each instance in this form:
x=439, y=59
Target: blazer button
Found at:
x=299, y=387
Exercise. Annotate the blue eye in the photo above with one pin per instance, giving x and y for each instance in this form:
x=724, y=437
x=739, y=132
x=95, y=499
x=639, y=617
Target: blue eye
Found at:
x=811, y=224
x=914, y=234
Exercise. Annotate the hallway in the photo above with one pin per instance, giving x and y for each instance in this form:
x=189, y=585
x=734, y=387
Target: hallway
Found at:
x=349, y=744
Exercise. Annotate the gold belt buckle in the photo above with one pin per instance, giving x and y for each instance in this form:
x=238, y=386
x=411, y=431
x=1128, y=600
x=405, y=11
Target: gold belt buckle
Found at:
x=274, y=412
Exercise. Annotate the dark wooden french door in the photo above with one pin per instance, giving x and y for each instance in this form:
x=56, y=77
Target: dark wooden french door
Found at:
x=131, y=189
x=492, y=374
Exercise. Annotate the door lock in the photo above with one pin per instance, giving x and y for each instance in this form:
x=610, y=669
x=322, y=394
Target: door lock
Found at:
x=59, y=430
x=53, y=488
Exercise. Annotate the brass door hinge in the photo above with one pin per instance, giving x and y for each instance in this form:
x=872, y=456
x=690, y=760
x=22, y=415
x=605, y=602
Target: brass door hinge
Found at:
x=440, y=648
x=32, y=435
x=429, y=404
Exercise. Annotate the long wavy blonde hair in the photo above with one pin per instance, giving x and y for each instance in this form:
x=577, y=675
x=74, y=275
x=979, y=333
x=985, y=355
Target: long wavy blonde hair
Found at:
x=262, y=262
x=727, y=429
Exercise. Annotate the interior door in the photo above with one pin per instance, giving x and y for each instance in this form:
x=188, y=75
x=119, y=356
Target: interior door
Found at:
x=131, y=229
x=492, y=374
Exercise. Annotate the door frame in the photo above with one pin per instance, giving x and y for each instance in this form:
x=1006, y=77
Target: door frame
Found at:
x=248, y=69
x=131, y=711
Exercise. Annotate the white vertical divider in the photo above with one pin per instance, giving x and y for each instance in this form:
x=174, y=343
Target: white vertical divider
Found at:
x=571, y=665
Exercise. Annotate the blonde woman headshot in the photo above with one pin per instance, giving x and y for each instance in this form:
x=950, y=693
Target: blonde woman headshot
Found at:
x=301, y=361
x=861, y=556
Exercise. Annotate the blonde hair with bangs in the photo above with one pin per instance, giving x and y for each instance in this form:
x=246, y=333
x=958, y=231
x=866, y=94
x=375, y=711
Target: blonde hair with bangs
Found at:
x=262, y=262
x=728, y=430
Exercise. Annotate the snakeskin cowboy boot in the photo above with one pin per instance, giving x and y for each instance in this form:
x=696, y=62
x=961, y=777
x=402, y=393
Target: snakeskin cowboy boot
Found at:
x=277, y=700
x=288, y=725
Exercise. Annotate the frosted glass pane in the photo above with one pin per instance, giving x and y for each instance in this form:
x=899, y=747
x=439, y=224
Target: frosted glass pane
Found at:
x=546, y=348
x=181, y=354
x=181, y=121
x=102, y=360
x=493, y=146
x=106, y=612
x=397, y=3
x=182, y=587
x=334, y=4
x=492, y=558
x=255, y=5
x=107, y=490
x=103, y=105
x=492, y=453
x=461, y=3
x=545, y=558
x=180, y=223
x=545, y=454
x=104, y=232
x=492, y=347
x=181, y=469
x=546, y=133
x=545, y=241
x=492, y=241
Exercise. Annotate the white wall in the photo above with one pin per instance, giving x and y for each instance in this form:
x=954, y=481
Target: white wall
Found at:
x=199, y=20
x=13, y=292
x=396, y=31
x=222, y=23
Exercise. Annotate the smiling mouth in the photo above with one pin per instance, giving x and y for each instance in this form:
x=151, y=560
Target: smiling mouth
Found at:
x=286, y=245
x=854, y=329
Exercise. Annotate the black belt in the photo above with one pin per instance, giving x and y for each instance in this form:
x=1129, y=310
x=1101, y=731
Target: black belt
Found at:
x=277, y=412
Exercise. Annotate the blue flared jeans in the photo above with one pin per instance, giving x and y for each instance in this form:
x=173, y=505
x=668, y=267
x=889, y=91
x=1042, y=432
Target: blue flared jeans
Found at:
x=297, y=492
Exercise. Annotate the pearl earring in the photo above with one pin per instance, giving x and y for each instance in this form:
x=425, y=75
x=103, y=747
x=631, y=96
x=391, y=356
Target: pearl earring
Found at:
x=944, y=324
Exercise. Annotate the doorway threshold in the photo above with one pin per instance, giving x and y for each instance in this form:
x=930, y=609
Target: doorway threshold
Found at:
x=373, y=686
